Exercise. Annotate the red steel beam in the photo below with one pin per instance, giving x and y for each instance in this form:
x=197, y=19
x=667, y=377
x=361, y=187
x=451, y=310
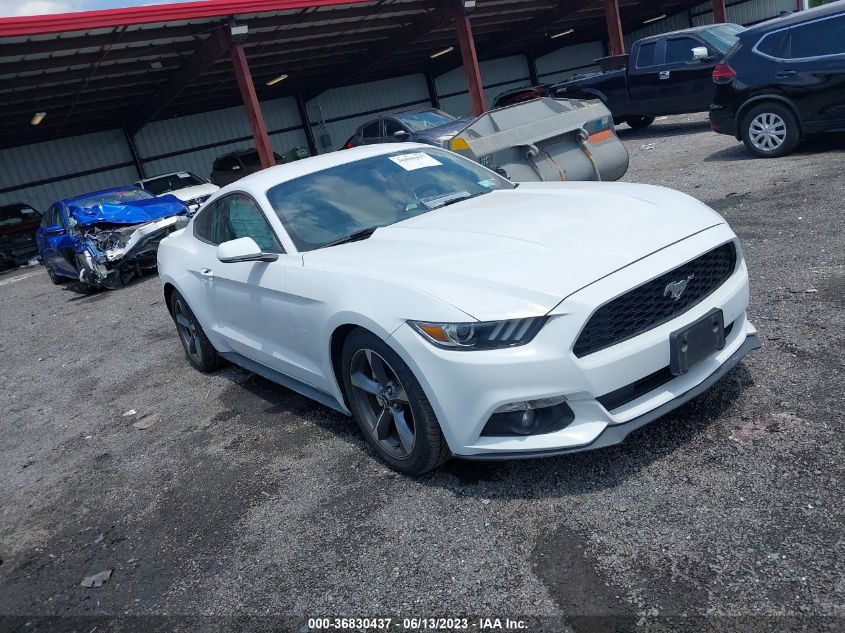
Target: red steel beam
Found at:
x=253, y=109
x=719, y=12
x=614, y=27
x=155, y=14
x=469, y=57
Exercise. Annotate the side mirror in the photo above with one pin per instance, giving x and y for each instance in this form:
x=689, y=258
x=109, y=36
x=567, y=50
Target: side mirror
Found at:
x=701, y=54
x=53, y=229
x=243, y=249
x=400, y=134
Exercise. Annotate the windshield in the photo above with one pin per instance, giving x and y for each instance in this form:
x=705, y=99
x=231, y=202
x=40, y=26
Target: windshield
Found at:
x=172, y=182
x=723, y=36
x=332, y=204
x=113, y=197
x=17, y=214
x=419, y=121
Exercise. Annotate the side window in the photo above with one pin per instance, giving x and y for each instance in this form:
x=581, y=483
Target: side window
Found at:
x=238, y=215
x=679, y=50
x=825, y=37
x=645, y=56
x=371, y=130
x=391, y=127
x=250, y=159
x=47, y=220
x=225, y=163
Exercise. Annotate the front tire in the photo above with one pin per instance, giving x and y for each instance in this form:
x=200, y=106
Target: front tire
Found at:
x=639, y=122
x=201, y=354
x=770, y=130
x=390, y=406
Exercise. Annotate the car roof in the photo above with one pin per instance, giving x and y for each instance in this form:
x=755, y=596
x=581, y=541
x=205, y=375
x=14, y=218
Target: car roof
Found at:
x=97, y=193
x=687, y=31
x=266, y=178
x=238, y=152
x=797, y=18
x=172, y=173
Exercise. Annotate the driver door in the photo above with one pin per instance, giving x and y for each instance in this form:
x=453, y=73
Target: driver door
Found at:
x=57, y=247
x=247, y=300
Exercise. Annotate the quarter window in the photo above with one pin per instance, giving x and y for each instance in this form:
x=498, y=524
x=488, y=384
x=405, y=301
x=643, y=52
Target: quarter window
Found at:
x=371, y=130
x=773, y=44
x=824, y=37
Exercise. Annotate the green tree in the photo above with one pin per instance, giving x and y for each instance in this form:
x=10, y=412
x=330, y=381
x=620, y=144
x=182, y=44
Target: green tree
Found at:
x=818, y=3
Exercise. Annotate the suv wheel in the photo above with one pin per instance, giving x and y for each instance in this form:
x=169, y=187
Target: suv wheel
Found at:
x=770, y=130
x=390, y=406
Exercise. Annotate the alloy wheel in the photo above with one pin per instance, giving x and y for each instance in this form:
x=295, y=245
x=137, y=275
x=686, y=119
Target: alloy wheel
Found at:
x=767, y=131
x=188, y=331
x=382, y=403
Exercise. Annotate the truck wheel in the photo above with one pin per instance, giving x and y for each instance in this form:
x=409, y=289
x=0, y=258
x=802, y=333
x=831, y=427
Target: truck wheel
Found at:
x=639, y=122
x=770, y=130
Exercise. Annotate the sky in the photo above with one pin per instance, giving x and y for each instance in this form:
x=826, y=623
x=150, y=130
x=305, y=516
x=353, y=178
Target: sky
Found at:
x=40, y=7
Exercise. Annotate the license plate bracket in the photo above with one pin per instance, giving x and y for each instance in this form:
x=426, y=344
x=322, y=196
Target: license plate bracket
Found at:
x=692, y=344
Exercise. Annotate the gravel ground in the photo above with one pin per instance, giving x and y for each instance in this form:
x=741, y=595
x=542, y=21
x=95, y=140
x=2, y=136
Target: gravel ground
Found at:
x=246, y=501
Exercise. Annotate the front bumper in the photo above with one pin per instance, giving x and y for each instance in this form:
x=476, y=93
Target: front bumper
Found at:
x=465, y=388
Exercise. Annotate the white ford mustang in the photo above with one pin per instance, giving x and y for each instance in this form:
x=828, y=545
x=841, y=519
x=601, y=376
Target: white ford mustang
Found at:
x=450, y=311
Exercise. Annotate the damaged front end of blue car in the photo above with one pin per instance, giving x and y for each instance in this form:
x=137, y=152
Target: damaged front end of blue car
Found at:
x=117, y=239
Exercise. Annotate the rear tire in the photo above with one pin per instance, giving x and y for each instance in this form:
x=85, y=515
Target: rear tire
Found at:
x=770, y=130
x=199, y=350
x=390, y=406
x=639, y=122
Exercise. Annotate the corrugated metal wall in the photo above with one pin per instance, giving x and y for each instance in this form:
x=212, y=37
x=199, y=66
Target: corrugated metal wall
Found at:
x=171, y=145
x=106, y=154
x=497, y=75
x=568, y=61
x=193, y=142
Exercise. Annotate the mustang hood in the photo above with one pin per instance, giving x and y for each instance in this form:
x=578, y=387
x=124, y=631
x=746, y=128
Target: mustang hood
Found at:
x=136, y=212
x=444, y=131
x=520, y=252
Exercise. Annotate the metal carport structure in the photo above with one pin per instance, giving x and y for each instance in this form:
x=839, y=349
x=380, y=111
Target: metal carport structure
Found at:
x=124, y=68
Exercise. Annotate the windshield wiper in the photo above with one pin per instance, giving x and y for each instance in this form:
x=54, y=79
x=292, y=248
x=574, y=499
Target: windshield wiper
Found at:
x=436, y=202
x=353, y=237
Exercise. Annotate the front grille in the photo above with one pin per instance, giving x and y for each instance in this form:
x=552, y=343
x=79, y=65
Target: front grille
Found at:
x=649, y=305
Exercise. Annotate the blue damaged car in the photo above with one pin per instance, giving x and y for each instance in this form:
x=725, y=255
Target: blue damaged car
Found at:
x=105, y=238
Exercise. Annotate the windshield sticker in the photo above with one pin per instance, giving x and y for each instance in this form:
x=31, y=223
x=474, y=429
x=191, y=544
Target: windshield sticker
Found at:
x=417, y=160
x=183, y=174
x=487, y=183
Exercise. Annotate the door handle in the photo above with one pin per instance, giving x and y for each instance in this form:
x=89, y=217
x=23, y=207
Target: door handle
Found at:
x=786, y=73
x=664, y=74
x=206, y=272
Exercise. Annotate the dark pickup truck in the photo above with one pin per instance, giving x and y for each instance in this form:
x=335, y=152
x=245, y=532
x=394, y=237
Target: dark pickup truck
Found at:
x=670, y=73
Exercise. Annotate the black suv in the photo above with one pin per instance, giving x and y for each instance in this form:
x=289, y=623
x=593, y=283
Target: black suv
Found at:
x=782, y=81
x=231, y=167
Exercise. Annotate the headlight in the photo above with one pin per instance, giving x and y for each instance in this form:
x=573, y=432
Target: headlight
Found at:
x=480, y=335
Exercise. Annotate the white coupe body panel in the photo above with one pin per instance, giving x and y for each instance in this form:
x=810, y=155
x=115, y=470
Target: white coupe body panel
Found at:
x=556, y=250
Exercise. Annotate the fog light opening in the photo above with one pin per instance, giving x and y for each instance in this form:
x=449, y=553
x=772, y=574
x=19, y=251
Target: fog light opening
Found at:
x=529, y=417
